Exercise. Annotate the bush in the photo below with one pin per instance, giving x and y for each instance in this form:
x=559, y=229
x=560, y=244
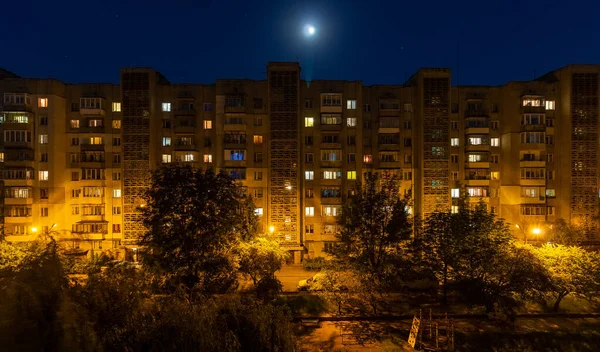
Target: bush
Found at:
x=314, y=264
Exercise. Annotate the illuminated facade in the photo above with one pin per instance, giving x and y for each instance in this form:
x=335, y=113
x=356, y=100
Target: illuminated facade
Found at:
x=79, y=156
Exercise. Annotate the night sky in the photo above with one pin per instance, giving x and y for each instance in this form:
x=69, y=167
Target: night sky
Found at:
x=378, y=42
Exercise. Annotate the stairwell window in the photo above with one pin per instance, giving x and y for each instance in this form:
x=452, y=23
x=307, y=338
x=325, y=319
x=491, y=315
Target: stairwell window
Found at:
x=116, y=107
x=351, y=104
x=309, y=122
x=44, y=175
x=117, y=193
x=309, y=211
x=166, y=107
x=43, y=139
x=43, y=102
x=495, y=142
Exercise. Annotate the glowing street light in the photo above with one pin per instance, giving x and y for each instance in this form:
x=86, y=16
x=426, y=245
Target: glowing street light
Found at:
x=34, y=229
x=536, y=231
x=271, y=229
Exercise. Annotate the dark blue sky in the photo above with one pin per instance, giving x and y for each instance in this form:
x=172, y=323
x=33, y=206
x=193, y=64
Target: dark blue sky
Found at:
x=375, y=41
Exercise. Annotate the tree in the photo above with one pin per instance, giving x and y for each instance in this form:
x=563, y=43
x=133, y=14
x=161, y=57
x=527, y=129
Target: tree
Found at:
x=260, y=258
x=572, y=270
x=436, y=248
x=373, y=225
x=459, y=246
x=11, y=254
x=514, y=274
x=336, y=284
x=566, y=234
x=195, y=220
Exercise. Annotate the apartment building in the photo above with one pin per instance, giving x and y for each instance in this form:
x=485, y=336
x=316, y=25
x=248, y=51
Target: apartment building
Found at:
x=75, y=159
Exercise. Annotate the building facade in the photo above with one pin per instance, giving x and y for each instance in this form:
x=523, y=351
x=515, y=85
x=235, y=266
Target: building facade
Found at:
x=75, y=159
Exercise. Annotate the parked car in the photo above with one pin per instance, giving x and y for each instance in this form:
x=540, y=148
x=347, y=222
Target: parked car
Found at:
x=318, y=282
x=312, y=283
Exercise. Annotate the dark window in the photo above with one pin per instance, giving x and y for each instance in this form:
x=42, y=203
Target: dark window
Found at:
x=258, y=103
x=166, y=123
x=74, y=106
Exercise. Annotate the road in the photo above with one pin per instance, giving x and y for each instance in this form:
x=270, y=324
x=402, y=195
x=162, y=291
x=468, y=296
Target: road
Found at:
x=289, y=275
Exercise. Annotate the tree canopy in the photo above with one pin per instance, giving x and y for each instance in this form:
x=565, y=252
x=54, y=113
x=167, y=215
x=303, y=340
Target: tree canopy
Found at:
x=195, y=219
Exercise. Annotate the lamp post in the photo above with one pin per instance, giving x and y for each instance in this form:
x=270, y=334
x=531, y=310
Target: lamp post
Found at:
x=536, y=231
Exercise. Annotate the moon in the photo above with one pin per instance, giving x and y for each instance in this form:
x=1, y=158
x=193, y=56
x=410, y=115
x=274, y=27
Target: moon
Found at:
x=310, y=30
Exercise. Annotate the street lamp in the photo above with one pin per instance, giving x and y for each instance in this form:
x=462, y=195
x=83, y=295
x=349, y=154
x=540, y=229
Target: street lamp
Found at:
x=271, y=229
x=536, y=231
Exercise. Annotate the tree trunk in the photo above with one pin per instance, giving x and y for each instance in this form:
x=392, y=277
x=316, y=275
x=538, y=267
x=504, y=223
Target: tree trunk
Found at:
x=444, y=288
x=561, y=295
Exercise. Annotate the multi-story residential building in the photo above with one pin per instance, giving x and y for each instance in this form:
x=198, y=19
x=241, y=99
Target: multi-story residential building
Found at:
x=75, y=159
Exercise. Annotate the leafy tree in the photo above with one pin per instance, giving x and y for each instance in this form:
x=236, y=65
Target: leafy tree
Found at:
x=195, y=219
x=11, y=254
x=436, y=247
x=459, y=246
x=260, y=258
x=337, y=284
x=514, y=274
x=572, y=271
x=373, y=226
x=566, y=234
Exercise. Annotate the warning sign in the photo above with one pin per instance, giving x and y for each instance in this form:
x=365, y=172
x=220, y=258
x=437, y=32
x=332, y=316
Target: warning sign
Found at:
x=414, y=332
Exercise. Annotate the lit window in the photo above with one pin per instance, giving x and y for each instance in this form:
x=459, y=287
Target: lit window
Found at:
x=309, y=211
x=475, y=158
x=351, y=175
x=188, y=157
x=550, y=105
x=474, y=140
x=1, y=157
x=166, y=107
x=95, y=123
x=455, y=209
x=368, y=158
x=258, y=139
x=166, y=158
x=43, y=139
x=455, y=193
x=207, y=124
x=43, y=175
x=166, y=141
x=235, y=154
x=117, y=193
x=208, y=158
x=258, y=211
x=116, y=107
x=351, y=104
x=331, y=174
x=43, y=102
x=550, y=193
x=309, y=175
x=96, y=140
x=495, y=175
x=351, y=122
x=116, y=124
x=309, y=122
x=495, y=142
x=454, y=142
x=331, y=210
x=74, y=123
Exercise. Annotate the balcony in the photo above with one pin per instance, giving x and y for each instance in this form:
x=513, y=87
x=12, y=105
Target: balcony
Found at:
x=93, y=218
x=92, y=147
x=478, y=165
x=17, y=219
x=533, y=128
x=20, y=163
x=477, y=147
x=540, y=182
x=184, y=146
x=88, y=111
x=478, y=182
x=533, y=109
x=390, y=164
x=184, y=128
x=18, y=201
x=532, y=163
x=474, y=129
x=18, y=145
x=92, y=164
x=476, y=113
x=331, y=163
x=234, y=163
x=535, y=200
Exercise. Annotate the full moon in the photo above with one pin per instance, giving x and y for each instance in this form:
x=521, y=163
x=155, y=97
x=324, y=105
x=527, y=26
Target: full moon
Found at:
x=310, y=30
